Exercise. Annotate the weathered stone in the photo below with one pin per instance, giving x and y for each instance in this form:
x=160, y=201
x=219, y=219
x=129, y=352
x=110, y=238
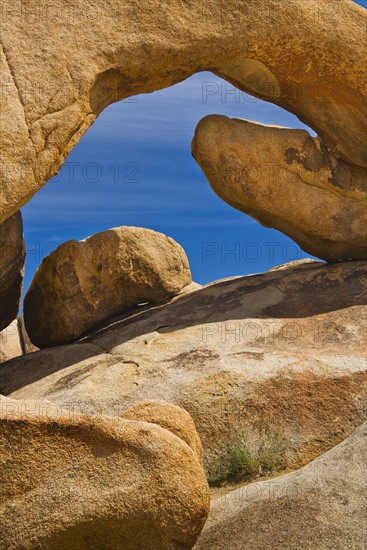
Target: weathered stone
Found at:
x=320, y=506
x=283, y=350
x=61, y=68
x=12, y=256
x=170, y=417
x=10, y=342
x=69, y=481
x=287, y=180
x=81, y=284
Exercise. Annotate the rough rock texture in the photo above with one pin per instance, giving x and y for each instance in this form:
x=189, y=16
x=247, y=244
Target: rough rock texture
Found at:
x=170, y=417
x=72, y=482
x=12, y=256
x=321, y=506
x=284, y=349
x=287, y=180
x=10, y=342
x=60, y=68
x=81, y=284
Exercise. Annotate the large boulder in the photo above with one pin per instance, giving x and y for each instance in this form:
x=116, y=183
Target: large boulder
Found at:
x=287, y=180
x=12, y=256
x=81, y=284
x=10, y=342
x=279, y=355
x=68, y=482
x=61, y=68
x=321, y=506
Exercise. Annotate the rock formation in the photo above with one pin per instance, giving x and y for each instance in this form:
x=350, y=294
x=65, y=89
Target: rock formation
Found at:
x=14, y=341
x=311, y=64
x=320, y=506
x=12, y=256
x=81, y=284
x=68, y=482
x=287, y=180
x=284, y=350
x=281, y=352
x=10, y=342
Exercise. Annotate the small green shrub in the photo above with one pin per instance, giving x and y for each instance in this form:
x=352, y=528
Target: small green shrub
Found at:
x=246, y=457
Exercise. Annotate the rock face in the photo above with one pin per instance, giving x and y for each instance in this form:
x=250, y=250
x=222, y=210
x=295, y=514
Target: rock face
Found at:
x=320, y=506
x=72, y=482
x=312, y=64
x=12, y=256
x=287, y=180
x=81, y=284
x=284, y=350
x=10, y=342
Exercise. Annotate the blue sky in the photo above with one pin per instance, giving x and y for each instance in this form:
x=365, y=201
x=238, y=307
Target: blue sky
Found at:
x=134, y=167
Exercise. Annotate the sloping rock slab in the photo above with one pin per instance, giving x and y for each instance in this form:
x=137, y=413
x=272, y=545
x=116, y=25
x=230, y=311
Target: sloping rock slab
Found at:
x=321, y=506
x=283, y=350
